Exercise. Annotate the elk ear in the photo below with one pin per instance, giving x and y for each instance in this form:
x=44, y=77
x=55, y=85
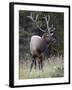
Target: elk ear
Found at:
x=51, y=34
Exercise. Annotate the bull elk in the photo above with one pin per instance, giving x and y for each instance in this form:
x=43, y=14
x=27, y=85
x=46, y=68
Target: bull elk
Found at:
x=38, y=44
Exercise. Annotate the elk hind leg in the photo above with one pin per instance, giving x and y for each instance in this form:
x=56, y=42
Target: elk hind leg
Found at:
x=33, y=62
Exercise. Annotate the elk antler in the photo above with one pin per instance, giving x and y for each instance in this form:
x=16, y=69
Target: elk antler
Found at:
x=35, y=21
x=50, y=29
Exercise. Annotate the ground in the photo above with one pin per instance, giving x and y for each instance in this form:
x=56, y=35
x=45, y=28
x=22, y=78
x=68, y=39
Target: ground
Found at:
x=53, y=67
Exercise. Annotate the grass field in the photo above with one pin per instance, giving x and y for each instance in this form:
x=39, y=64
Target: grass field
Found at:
x=53, y=67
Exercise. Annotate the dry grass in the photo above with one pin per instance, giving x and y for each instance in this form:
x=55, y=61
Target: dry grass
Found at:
x=53, y=67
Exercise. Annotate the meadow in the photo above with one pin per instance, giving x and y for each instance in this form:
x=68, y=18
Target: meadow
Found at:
x=52, y=67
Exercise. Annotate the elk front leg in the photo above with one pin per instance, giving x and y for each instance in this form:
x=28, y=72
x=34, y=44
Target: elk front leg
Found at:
x=35, y=64
x=41, y=62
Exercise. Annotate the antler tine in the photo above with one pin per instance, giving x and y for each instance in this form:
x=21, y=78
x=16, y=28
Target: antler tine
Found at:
x=31, y=16
x=51, y=29
x=48, y=28
x=47, y=19
x=36, y=17
x=40, y=29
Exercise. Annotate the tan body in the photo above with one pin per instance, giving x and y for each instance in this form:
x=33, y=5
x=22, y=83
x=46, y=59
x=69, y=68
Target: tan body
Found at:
x=37, y=45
